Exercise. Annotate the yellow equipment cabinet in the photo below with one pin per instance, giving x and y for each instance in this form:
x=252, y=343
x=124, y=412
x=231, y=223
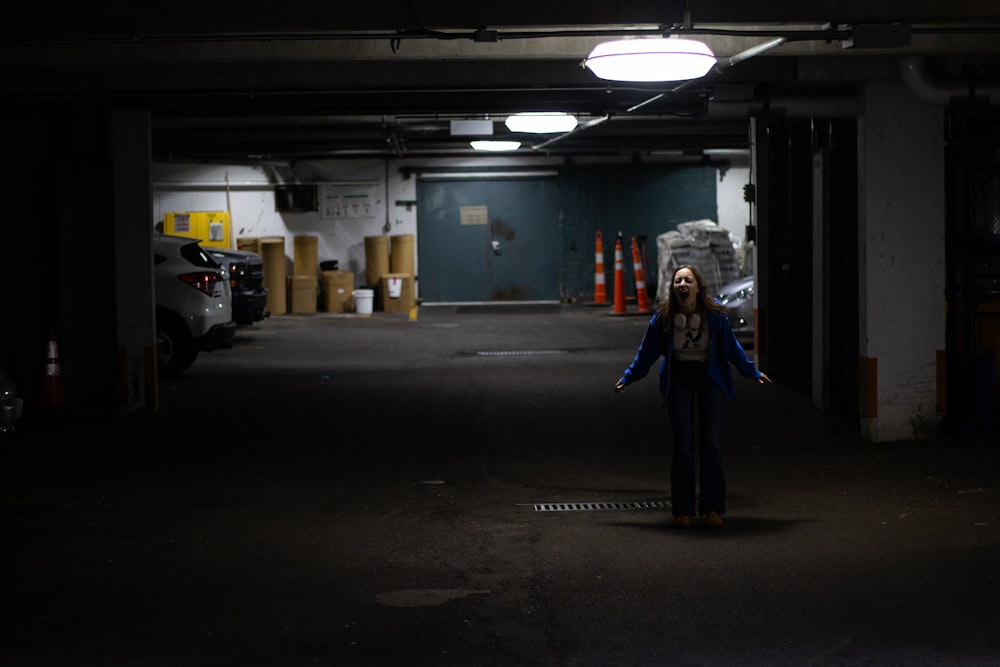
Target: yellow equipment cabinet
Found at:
x=212, y=227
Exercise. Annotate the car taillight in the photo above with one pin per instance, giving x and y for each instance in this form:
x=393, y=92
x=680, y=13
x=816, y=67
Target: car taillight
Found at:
x=235, y=275
x=202, y=280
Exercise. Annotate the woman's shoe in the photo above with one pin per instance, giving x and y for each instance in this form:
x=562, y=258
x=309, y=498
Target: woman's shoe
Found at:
x=682, y=521
x=713, y=520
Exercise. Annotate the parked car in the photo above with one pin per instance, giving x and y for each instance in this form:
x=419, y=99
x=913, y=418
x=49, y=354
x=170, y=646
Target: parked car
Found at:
x=737, y=296
x=246, y=282
x=194, y=311
x=11, y=404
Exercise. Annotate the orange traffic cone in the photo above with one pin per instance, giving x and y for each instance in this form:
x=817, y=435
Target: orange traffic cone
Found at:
x=52, y=385
x=600, y=288
x=642, y=299
x=619, y=308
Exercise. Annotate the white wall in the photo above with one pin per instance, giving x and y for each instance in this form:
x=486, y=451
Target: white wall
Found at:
x=247, y=192
x=734, y=212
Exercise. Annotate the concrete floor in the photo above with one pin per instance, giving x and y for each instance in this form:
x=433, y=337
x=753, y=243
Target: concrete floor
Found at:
x=345, y=490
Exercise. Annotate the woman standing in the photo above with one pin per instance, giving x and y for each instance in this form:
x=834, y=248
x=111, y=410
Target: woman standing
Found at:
x=692, y=334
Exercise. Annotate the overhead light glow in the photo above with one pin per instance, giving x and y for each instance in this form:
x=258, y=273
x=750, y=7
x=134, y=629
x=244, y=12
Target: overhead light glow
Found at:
x=654, y=59
x=541, y=122
x=495, y=146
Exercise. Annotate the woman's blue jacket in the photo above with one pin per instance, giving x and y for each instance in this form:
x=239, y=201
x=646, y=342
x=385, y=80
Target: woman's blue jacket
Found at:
x=723, y=349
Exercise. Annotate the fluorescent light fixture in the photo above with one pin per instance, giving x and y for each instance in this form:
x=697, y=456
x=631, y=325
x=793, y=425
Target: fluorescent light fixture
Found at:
x=651, y=59
x=495, y=145
x=541, y=122
x=727, y=152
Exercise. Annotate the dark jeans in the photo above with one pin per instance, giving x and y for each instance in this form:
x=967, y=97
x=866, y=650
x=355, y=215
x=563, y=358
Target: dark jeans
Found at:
x=696, y=408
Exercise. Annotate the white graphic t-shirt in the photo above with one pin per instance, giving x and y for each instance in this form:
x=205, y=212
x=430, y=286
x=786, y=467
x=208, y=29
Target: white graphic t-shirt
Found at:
x=690, y=338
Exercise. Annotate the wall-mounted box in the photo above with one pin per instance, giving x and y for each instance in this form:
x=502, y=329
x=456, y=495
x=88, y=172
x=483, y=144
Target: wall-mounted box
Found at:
x=295, y=198
x=213, y=228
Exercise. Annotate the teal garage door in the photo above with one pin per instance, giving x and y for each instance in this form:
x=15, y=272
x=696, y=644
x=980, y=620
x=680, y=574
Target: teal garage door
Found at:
x=488, y=240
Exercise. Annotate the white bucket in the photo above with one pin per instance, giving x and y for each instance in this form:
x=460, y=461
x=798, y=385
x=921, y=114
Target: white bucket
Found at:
x=363, y=300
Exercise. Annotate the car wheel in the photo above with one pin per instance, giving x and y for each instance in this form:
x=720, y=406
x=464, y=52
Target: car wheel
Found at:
x=175, y=349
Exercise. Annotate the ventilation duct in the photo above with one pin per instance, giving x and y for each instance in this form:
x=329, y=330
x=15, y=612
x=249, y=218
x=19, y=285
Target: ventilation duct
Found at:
x=913, y=72
x=813, y=105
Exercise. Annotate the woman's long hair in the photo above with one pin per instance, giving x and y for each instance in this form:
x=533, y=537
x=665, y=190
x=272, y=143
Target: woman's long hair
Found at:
x=706, y=301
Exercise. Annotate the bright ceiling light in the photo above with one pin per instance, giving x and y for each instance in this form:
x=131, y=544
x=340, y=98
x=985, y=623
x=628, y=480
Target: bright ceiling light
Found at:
x=495, y=146
x=541, y=122
x=655, y=59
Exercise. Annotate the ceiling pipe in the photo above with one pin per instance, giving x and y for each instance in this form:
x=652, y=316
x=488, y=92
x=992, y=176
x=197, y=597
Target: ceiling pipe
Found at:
x=729, y=62
x=792, y=105
x=483, y=35
x=750, y=53
x=913, y=72
x=596, y=121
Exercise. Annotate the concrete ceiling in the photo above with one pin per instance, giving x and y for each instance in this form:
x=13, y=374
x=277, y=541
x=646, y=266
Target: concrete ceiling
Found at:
x=310, y=80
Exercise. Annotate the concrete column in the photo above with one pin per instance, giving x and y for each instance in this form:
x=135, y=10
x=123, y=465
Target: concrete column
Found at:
x=901, y=185
x=133, y=230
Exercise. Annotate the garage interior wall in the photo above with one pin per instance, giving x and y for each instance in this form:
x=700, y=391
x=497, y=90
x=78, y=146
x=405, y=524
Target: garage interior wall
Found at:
x=247, y=192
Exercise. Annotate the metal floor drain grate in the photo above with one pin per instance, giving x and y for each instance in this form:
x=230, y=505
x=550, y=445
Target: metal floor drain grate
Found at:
x=517, y=353
x=589, y=507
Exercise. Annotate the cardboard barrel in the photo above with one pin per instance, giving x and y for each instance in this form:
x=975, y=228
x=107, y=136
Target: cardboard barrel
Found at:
x=376, y=258
x=401, y=256
x=272, y=251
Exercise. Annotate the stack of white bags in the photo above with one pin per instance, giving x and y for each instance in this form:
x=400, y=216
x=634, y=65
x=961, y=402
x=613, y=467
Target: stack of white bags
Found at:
x=702, y=244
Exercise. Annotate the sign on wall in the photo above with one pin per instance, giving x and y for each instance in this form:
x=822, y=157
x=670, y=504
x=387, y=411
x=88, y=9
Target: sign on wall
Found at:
x=350, y=201
x=475, y=215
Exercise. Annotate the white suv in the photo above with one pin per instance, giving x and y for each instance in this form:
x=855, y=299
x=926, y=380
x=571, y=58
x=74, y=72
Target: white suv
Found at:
x=194, y=311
